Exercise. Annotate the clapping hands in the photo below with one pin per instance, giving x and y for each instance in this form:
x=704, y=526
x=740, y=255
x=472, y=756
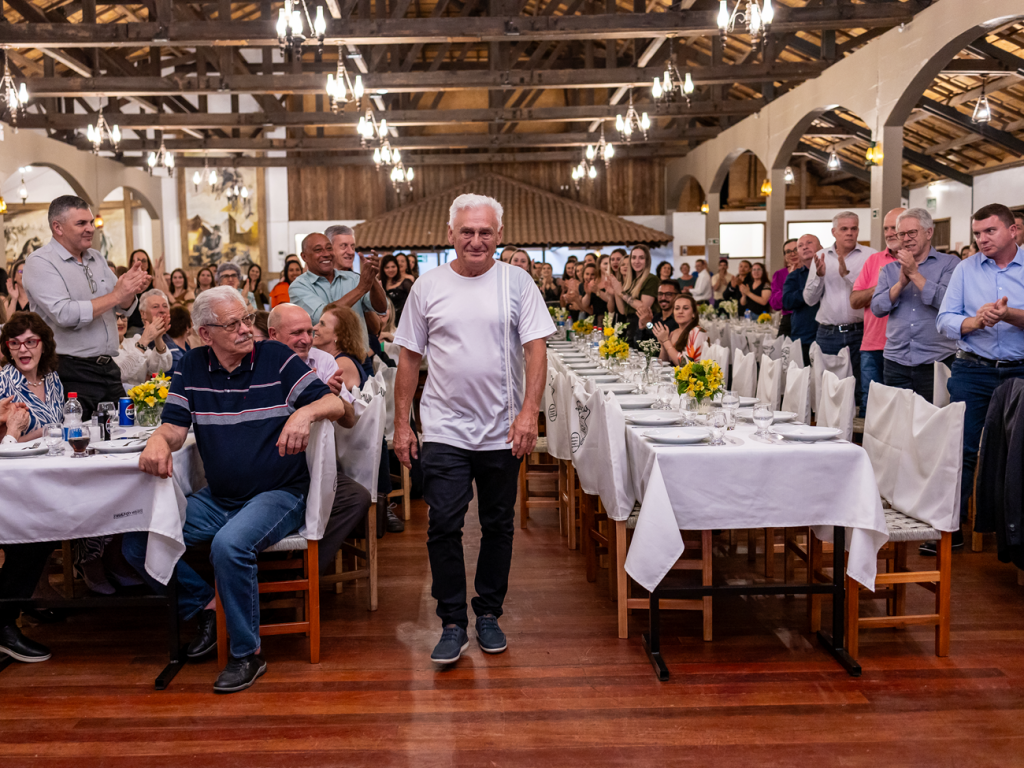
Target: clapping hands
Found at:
x=819, y=264
x=993, y=312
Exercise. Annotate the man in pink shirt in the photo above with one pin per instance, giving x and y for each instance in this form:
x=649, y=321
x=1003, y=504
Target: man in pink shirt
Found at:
x=873, y=343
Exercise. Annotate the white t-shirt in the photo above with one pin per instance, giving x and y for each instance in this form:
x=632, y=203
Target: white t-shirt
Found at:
x=701, y=290
x=473, y=330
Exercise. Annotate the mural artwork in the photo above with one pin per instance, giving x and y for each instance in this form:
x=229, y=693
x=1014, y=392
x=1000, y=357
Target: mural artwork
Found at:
x=220, y=224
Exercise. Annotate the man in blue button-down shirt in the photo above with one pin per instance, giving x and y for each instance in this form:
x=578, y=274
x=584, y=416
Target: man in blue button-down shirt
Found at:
x=983, y=310
x=909, y=292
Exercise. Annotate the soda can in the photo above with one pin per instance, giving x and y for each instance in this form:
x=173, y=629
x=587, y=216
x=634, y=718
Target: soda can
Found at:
x=126, y=412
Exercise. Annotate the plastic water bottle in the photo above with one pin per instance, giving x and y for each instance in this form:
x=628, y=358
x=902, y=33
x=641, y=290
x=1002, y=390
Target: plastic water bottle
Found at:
x=747, y=315
x=72, y=414
x=95, y=430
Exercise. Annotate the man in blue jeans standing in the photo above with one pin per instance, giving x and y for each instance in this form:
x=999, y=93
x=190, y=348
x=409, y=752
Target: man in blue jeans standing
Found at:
x=251, y=405
x=983, y=310
x=481, y=322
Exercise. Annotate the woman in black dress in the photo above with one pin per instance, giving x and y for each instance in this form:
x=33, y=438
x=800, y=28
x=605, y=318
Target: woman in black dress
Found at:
x=396, y=286
x=757, y=293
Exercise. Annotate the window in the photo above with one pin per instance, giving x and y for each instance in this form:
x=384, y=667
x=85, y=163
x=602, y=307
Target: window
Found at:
x=742, y=241
x=940, y=238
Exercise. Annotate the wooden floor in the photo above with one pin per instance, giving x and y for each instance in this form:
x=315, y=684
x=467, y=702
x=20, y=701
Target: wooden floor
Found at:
x=566, y=693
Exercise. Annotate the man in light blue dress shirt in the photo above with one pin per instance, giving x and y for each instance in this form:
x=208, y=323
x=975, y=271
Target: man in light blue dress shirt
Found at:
x=983, y=311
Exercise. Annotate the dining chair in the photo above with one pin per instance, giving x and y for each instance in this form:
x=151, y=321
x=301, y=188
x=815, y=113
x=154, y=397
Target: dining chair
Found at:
x=769, y=381
x=836, y=404
x=940, y=384
x=744, y=373
x=820, y=362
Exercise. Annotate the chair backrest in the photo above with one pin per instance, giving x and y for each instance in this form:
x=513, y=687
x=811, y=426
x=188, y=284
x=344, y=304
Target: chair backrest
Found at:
x=323, y=478
x=744, y=373
x=769, y=381
x=358, y=448
x=598, y=439
x=916, y=451
x=738, y=340
x=387, y=376
x=796, y=351
x=820, y=362
x=713, y=331
x=798, y=392
x=940, y=392
x=720, y=355
x=774, y=350
x=836, y=404
x=556, y=412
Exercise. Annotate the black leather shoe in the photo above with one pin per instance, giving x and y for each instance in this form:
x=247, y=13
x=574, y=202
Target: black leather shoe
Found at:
x=19, y=647
x=395, y=523
x=206, y=636
x=240, y=674
x=45, y=615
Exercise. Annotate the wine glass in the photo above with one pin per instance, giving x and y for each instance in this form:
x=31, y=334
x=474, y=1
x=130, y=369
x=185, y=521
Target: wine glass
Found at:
x=730, y=404
x=764, y=415
x=78, y=437
x=54, y=436
x=716, y=427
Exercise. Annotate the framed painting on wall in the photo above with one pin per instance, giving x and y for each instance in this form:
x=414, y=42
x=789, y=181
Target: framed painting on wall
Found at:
x=224, y=221
x=26, y=229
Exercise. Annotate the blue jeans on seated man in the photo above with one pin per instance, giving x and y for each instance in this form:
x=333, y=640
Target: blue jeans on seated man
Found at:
x=832, y=341
x=972, y=383
x=237, y=535
x=872, y=366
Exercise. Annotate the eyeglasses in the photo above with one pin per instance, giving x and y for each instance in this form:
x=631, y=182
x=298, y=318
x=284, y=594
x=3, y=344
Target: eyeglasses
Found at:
x=908, y=235
x=92, y=282
x=13, y=344
x=231, y=327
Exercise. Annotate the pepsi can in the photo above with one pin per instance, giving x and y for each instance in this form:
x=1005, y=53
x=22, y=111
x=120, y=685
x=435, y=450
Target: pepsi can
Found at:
x=126, y=412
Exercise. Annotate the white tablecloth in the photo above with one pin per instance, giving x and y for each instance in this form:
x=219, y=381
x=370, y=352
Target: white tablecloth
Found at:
x=51, y=499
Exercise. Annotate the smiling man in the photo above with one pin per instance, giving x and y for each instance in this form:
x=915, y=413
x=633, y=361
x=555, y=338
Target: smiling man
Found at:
x=483, y=321
x=73, y=289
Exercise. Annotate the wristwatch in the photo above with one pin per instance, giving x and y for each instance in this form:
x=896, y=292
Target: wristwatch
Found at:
x=141, y=347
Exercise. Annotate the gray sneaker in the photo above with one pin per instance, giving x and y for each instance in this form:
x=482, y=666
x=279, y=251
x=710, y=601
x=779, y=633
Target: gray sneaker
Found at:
x=450, y=647
x=489, y=634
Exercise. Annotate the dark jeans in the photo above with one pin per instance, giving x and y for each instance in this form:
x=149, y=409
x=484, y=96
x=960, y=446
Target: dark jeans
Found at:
x=448, y=475
x=23, y=565
x=94, y=383
x=831, y=341
x=920, y=378
x=806, y=349
x=972, y=383
x=786, y=325
x=872, y=367
x=351, y=506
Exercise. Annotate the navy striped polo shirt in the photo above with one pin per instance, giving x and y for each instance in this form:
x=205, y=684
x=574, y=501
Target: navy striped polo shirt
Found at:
x=238, y=417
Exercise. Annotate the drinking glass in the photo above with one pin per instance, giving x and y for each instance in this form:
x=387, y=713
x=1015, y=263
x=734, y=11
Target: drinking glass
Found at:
x=78, y=437
x=687, y=406
x=54, y=436
x=664, y=394
x=764, y=415
x=730, y=404
x=716, y=427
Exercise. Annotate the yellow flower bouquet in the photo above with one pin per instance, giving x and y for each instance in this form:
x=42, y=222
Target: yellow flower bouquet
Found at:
x=764, y=318
x=700, y=379
x=583, y=327
x=613, y=347
x=149, y=398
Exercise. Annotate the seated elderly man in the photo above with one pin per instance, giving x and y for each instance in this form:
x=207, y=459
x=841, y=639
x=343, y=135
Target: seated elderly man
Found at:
x=251, y=405
x=155, y=310
x=290, y=324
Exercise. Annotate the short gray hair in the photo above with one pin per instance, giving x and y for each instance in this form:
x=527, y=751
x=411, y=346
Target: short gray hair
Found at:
x=152, y=293
x=923, y=217
x=462, y=202
x=203, y=310
x=61, y=205
x=338, y=229
x=844, y=215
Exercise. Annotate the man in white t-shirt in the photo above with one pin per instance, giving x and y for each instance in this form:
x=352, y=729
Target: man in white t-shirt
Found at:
x=702, y=291
x=481, y=322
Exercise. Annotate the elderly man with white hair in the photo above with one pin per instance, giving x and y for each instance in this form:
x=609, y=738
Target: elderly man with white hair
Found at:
x=251, y=405
x=483, y=322
x=155, y=310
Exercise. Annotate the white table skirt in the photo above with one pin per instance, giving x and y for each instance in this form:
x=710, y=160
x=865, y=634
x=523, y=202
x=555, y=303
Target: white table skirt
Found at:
x=749, y=484
x=56, y=498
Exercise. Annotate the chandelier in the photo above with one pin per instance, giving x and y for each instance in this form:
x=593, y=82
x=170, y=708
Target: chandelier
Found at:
x=339, y=86
x=583, y=170
x=753, y=21
x=14, y=97
x=384, y=154
x=210, y=174
x=833, y=163
x=982, y=110
x=587, y=166
x=625, y=125
x=101, y=132
x=161, y=158
x=788, y=176
x=874, y=155
x=766, y=188
x=401, y=175
x=664, y=88
x=291, y=33
x=235, y=192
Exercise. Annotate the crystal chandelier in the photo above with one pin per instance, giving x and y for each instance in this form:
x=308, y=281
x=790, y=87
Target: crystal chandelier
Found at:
x=210, y=174
x=625, y=125
x=339, y=86
x=161, y=158
x=101, y=132
x=754, y=21
x=291, y=33
x=982, y=110
x=14, y=97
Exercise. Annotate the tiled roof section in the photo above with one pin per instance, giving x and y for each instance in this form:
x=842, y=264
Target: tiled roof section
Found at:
x=532, y=217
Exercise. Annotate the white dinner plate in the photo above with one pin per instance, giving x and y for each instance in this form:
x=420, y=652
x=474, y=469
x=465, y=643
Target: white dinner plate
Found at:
x=120, y=446
x=781, y=417
x=598, y=378
x=635, y=402
x=562, y=345
x=677, y=435
x=618, y=389
x=745, y=402
x=21, y=451
x=807, y=434
x=653, y=418
x=574, y=358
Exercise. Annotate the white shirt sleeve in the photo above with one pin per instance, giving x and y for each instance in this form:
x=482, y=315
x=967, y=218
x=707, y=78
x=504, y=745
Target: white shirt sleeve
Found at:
x=534, y=319
x=412, y=328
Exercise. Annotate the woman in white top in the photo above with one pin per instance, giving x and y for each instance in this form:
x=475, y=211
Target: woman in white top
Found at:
x=687, y=342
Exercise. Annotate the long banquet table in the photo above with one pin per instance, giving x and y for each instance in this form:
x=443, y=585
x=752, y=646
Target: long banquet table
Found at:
x=829, y=487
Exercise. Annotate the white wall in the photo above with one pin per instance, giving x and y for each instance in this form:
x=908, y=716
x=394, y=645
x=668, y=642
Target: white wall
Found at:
x=172, y=226
x=279, y=244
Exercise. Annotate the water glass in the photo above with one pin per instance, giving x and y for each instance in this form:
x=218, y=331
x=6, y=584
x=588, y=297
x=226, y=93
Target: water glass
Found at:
x=78, y=437
x=764, y=415
x=687, y=407
x=53, y=434
x=730, y=404
x=716, y=427
x=664, y=393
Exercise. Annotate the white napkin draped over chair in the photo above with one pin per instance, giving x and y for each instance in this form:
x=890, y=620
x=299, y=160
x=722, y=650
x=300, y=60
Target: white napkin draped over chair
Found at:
x=557, y=398
x=836, y=404
x=358, y=449
x=598, y=439
x=323, y=479
x=720, y=355
x=839, y=364
x=769, y=381
x=940, y=392
x=798, y=392
x=744, y=373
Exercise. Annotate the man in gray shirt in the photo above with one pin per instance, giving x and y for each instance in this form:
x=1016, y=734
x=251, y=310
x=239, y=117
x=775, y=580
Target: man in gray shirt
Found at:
x=910, y=292
x=73, y=289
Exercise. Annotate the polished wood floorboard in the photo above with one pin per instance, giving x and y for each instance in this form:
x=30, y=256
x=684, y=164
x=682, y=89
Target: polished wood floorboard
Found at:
x=566, y=693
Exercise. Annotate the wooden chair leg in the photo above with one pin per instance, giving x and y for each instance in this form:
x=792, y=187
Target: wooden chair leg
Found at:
x=900, y=566
x=222, y=632
x=751, y=545
x=788, y=558
x=339, y=568
x=705, y=557
x=813, y=563
x=371, y=560
x=623, y=580
x=563, y=496
x=852, y=617
x=68, y=564
x=406, y=493
x=587, y=543
x=613, y=572
x=944, y=554
x=312, y=566
x=769, y=553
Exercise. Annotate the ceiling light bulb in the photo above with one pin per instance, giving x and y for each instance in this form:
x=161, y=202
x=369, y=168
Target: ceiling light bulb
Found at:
x=196, y=178
x=385, y=155
x=788, y=176
x=834, y=163
x=609, y=151
x=656, y=88
x=376, y=156
x=767, y=13
x=592, y=172
x=396, y=155
x=629, y=128
x=282, y=22
x=320, y=24
x=296, y=22
x=982, y=110
x=358, y=89
x=645, y=121
x=723, y=15
x=151, y=160
x=23, y=192
x=382, y=131
x=755, y=18
x=213, y=177
x=115, y=135
x=618, y=123
x=408, y=175
x=169, y=159
x=688, y=84
x=90, y=132
x=590, y=151
x=23, y=94
x=245, y=193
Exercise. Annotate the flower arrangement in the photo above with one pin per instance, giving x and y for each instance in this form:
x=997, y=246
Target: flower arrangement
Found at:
x=705, y=310
x=701, y=380
x=149, y=398
x=558, y=314
x=764, y=318
x=649, y=348
x=613, y=347
x=732, y=307
x=583, y=327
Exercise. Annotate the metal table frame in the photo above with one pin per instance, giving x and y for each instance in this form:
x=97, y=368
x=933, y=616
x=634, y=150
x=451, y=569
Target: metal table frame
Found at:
x=833, y=643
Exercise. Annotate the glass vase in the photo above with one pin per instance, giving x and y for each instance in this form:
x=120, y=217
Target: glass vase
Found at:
x=148, y=415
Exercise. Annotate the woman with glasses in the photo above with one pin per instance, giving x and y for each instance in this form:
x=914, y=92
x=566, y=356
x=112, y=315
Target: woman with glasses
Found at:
x=29, y=375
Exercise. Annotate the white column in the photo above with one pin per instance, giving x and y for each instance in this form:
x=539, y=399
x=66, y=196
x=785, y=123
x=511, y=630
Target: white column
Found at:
x=712, y=232
x=886, y=181
x=775, y=225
